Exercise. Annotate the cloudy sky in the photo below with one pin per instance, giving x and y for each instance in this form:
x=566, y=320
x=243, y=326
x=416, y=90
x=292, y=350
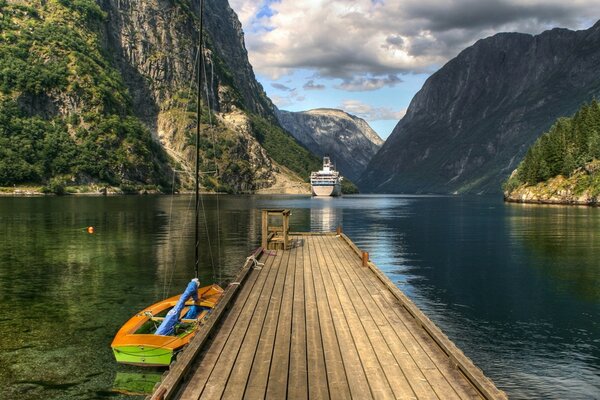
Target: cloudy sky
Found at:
x=369, y=57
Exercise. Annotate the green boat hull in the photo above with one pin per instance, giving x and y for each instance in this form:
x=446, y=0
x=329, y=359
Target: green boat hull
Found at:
x=147, y=356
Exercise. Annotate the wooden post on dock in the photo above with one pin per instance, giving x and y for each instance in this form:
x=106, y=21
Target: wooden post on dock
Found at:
x=365, y=259
x=338, y=231
x=286, y=228
x=265, y=226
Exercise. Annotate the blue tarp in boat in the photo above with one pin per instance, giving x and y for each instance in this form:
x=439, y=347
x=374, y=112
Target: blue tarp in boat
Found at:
x=167, y=327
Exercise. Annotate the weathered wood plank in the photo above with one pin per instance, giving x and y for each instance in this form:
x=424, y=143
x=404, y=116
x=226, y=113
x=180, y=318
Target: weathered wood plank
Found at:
x=215, y=384
x=476, y=377
x=395, y=335
x=178, y=370
x=355, y=369
x=369, y=351
x=259, y=373
x=401, y=330
x=339, y=387
x=298, y=369
x=405, y=378
x=198, y=380
x=317, y=373
x=278, y=373
x=423, y=350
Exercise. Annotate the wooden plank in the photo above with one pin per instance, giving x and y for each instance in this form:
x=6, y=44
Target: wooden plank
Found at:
x=317, y=373
x=444, y=377
x=424, y=379
x=278, y=373
x=440, y=374
x=366, y=349
x=476, y=377
x=236, y=384
x=259, y=374
x=425, y=352
x=336, y=374
x=205, y=364
x=357, y=380
x=298, y=369
x=404, y=380
x=177, y=371
x=226, y=357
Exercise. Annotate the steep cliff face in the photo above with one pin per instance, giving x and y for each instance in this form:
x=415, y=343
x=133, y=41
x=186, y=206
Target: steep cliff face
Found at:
x=100, y=91
x=348, y=140
x=471, y=123
x=155, y=44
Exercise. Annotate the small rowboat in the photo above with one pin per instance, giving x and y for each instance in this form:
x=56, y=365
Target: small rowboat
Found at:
x=156, y=334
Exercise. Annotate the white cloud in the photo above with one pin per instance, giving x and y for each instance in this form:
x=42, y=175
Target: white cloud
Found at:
x=369, y=112
x=356, y=40
x=246, y=11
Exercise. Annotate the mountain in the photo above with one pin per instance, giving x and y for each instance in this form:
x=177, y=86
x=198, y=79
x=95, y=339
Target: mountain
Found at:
x=474, y=119
x=103, y=92
x=348, y=140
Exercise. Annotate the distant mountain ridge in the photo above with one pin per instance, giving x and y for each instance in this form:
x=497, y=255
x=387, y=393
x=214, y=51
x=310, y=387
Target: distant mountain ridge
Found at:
x=474, y=119
x=347, y=139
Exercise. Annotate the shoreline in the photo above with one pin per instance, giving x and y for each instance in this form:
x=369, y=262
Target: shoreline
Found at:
x=552, y=202
x=112, y=193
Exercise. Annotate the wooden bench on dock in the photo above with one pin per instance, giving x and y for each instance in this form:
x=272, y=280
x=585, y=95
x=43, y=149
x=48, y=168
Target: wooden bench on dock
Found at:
x=320, y=321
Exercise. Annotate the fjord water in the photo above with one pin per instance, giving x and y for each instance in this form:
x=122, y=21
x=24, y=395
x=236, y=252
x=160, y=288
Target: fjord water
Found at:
x=516, y=287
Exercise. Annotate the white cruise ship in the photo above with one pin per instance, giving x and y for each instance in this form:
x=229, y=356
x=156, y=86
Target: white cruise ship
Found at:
x=326, y=182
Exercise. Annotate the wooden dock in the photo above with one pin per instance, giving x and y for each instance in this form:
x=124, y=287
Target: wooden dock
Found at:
x=320, y=321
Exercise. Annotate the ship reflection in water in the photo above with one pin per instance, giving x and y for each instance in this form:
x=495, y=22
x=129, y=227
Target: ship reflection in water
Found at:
x=327, y=217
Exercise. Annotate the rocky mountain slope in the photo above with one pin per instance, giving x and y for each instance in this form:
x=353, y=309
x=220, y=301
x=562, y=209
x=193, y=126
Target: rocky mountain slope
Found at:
x=474, y=119
x=348, y=140
x=137, y=60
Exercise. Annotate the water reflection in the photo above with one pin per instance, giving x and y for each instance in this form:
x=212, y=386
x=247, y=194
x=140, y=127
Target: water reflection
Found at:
x=136, y=382
x=565, y=244
x=325, y=217
x=516, y=287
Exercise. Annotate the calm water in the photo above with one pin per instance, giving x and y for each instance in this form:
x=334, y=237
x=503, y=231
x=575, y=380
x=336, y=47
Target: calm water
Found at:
x=516, y=287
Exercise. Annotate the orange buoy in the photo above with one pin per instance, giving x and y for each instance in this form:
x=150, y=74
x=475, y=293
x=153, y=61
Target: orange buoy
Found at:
x=90, y=229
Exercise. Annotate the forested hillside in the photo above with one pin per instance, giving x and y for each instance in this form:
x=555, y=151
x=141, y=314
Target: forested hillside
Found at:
x=65, y=113
x=563, y=162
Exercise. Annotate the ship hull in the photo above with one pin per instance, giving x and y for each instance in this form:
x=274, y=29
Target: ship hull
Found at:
x=327, y=190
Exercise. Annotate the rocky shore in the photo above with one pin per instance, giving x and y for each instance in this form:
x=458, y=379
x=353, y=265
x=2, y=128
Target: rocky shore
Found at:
x=579, y=189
